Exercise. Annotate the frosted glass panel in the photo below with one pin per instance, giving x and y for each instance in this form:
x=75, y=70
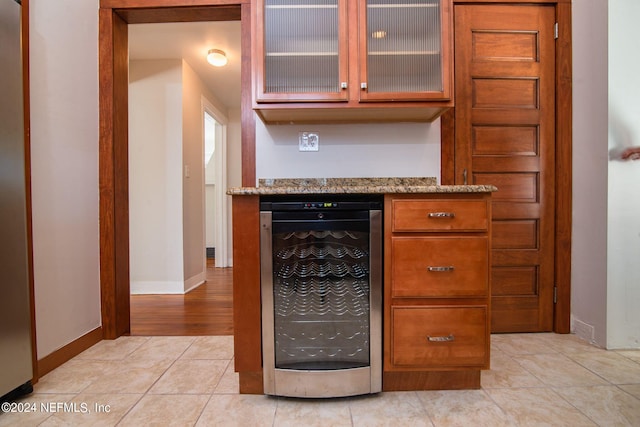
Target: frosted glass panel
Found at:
x=301, y=46
x=403, y=46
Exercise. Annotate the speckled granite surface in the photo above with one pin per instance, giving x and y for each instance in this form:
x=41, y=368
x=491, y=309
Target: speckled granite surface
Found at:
x=355, y=186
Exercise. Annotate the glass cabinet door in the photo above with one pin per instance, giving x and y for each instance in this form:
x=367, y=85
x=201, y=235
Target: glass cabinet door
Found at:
x=402, y=49
x=303, y=45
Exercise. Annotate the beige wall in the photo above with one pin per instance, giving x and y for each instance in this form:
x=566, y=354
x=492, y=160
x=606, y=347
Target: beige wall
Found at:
x=155, y=176
x=589, y=248
x=166, y=167
x=234, y=169
x=194, y=90
x=64, y=169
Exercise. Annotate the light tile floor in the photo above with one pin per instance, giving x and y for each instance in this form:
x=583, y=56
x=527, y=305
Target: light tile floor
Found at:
x=535, y=380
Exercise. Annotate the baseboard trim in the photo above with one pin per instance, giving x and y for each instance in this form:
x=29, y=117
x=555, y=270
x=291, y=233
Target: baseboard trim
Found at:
x=195, y=281
x=69, y=351
x=431, y=380
x=155, y=287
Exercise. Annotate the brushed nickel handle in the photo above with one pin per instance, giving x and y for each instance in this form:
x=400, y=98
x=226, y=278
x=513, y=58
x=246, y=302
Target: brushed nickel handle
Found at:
x=442, y=215
x=448, y=338
x=464, y=176
x=438, y=269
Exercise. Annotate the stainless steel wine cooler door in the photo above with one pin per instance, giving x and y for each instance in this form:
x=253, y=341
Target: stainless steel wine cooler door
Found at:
x=322, y=305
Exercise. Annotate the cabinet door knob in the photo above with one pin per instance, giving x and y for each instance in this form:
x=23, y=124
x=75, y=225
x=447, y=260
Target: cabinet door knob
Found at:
x=441, y=268
x=442, y=215
x=363, y=85
x=448, y=338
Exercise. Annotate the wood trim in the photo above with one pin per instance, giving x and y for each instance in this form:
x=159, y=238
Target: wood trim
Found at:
x=247, y=116
x=564, y=173
x=185, y=14
x=24, y=19
x=432, y=380
x=447, y=147
x=563, y=169
x=147, y=4
x=250, y=382
x=246, y=284
x=69, y=351
x=113, y=174
x=113, y=151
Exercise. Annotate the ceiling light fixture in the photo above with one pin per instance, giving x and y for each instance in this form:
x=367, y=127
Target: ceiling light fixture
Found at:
x=217, y=58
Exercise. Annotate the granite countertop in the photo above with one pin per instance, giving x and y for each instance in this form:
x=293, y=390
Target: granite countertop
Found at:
x=354, y=186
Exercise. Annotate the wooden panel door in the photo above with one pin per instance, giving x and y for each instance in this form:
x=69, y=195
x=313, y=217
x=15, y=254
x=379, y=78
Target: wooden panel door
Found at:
x=505, y=136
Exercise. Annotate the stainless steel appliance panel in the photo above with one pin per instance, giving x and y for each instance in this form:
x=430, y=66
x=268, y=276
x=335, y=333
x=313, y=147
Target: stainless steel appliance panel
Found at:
x=15, y=318
x=321, y=285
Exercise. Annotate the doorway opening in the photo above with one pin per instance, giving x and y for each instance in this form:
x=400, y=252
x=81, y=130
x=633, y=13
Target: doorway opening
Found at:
x=177, y=183
x=114, y=175
x=215, y=184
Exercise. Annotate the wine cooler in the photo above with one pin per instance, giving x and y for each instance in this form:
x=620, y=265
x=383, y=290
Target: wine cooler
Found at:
x=321, y=286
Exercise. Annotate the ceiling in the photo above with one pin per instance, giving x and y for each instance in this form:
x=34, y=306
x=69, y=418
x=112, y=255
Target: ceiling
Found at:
x=191, y=41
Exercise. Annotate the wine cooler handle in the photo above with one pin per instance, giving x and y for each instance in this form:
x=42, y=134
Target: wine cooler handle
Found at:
x=448, y=338
x=445, y=268
x=442, y=215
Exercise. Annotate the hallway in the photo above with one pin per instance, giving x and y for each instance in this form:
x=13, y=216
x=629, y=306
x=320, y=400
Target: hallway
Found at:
x=206, y=310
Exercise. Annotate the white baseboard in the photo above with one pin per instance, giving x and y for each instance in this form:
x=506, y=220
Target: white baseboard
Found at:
x=156, y=287
x=194, y=281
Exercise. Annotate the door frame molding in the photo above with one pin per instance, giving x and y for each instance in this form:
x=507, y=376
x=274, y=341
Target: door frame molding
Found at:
x=114, y=16
x=220, y=201
x=563, y=154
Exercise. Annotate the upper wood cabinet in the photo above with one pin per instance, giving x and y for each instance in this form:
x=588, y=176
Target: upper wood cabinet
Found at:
x=352, y=60
x=302, y=50
x=401, y=50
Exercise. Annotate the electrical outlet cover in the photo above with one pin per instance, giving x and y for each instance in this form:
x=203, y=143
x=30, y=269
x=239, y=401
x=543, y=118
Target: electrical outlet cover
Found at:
x=308, y=141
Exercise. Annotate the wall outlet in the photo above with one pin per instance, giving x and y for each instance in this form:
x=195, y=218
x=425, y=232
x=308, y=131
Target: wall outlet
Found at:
x=308, y=141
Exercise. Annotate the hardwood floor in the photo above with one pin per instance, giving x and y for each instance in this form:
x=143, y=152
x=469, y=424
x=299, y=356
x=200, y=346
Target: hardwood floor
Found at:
x=206, y=310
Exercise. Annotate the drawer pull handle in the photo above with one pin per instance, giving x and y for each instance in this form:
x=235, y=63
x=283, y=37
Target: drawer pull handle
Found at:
x=448, y=338
x=444, y=268
x=442, y=215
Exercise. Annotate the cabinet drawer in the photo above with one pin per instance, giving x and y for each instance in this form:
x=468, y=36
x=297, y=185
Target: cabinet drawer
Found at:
x=439, y=215
x=439, y=337
x=439, y=266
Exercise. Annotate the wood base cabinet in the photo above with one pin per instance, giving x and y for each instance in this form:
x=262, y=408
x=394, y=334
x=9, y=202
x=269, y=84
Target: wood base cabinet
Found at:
x=437, y=305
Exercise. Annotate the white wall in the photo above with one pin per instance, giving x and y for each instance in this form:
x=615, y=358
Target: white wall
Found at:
x=347, y=151
x=194, y=192
x=166, y=168
x=623, y=268
x=589, y=239
x=210, y=138
x=155, y=176
x=64, y=169
x=193, y=224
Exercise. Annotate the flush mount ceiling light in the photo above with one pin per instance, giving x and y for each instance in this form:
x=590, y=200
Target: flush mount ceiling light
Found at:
x=217, y=58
